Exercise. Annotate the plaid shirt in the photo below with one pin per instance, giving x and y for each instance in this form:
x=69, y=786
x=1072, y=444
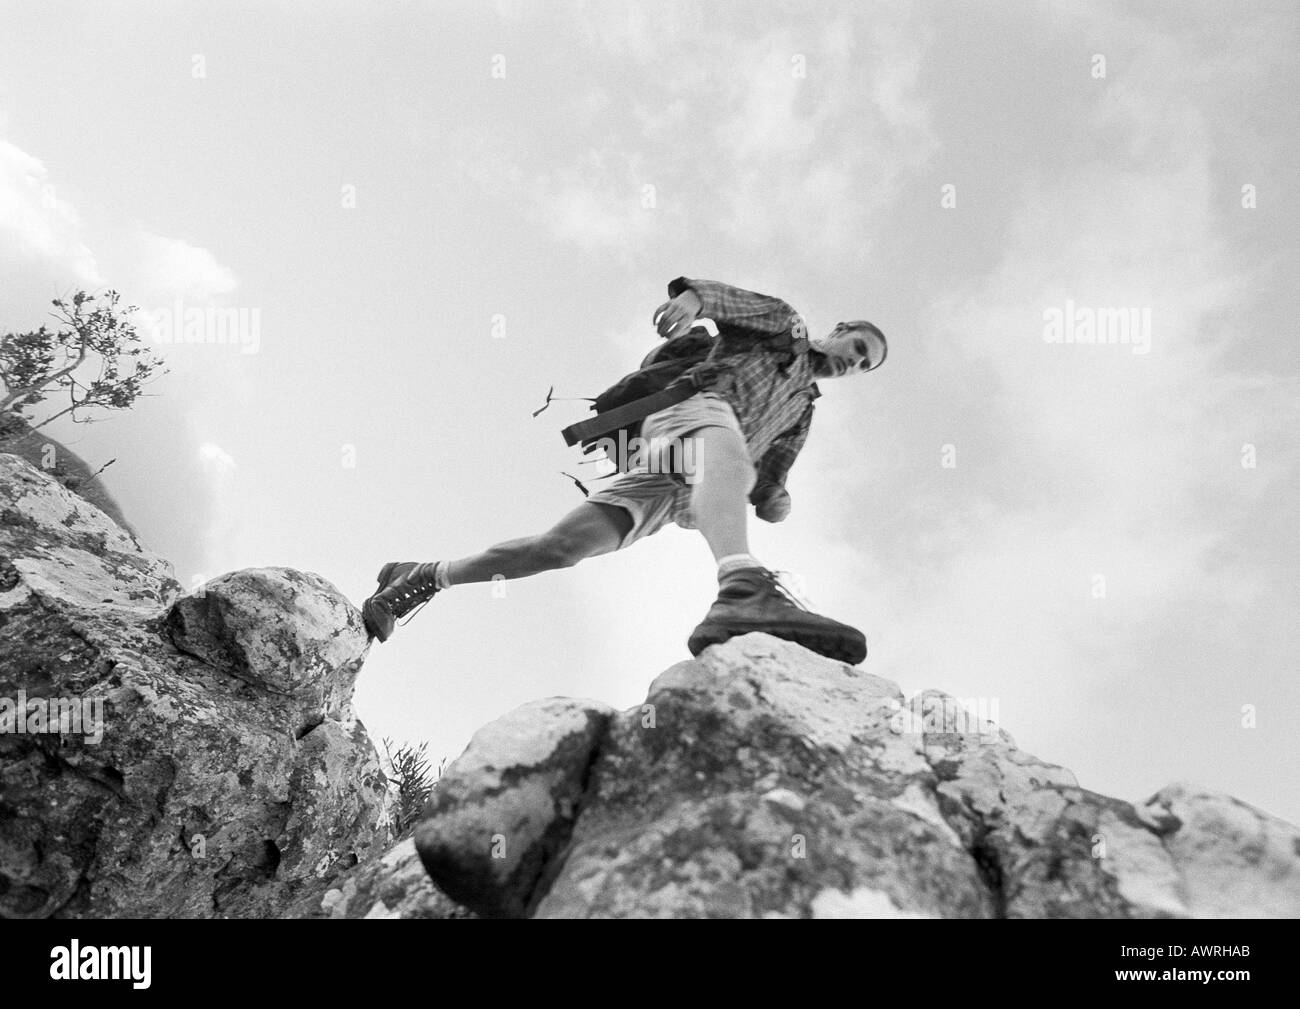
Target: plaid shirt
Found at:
x=767, y=373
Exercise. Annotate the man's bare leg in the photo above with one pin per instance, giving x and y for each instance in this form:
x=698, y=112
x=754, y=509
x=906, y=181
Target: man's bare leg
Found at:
x=720, y=496
x=589, y=530
x=749, y=597
x=718, y=501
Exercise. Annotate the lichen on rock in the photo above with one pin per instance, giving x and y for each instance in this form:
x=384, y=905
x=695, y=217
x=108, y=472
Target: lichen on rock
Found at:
x=228, y=775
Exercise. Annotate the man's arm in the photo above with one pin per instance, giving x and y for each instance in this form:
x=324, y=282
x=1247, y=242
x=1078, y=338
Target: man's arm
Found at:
x=760, y=314
x=770, y=498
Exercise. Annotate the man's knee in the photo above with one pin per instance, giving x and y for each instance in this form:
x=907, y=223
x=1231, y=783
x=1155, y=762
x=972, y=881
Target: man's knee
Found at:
x=721, y=450
x=595, y=529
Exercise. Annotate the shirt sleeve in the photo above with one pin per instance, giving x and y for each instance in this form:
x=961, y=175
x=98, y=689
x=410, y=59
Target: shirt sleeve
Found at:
x=780, y=456
x=760, y=314
x=694, y=343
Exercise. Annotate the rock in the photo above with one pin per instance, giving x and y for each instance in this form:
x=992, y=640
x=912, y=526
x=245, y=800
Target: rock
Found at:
x=504, y=809
x=861, y=903
x=220, y=782
x=197, y=755
x=1047, y=848
x=60, y=547
x=766, y=780
x=393, y=885
x=38, y=447
x=761, y=780
x=288, y=632
x=1232, y=860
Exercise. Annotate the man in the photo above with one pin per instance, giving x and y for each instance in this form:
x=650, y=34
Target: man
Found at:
x=749, y=423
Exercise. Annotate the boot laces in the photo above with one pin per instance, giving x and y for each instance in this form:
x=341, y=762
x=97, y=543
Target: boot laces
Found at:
x=790, y=585
x=411, y=616
x=410, y=589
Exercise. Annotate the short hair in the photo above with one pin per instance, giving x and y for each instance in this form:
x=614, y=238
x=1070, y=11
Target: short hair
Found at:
x=863, y=324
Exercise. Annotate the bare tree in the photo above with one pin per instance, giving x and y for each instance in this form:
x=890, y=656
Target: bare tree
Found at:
x=92, y=333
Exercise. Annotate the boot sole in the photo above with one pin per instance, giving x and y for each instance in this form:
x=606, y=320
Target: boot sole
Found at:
x=848, y=645
x=373, y=626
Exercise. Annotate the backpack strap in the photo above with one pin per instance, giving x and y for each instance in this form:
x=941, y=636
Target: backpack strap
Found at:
x=639, y=409
x=700, y=376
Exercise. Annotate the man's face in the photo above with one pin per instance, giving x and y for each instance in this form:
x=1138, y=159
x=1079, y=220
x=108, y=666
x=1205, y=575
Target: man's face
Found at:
x=848, y=349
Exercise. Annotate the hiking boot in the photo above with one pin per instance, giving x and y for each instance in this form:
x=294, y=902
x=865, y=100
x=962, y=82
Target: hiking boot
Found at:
x=403, y=586
x=752, y=599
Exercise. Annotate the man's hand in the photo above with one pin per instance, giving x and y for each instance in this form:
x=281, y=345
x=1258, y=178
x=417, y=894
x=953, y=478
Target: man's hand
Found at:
x=675, y=317
x=771, y=503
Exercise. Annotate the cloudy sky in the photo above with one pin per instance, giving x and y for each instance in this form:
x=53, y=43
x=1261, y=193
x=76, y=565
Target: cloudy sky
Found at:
x=434, y=212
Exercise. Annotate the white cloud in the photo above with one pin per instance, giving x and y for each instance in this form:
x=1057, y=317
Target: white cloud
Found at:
x=1109, y=423
x=220, y=539
x=169, y=268
x=217, y=462
x=40, y=232
x=810, y=153
x=797, y=135
x=599, y=203
x=602, y=200
x=589, y=106
x=45, y=252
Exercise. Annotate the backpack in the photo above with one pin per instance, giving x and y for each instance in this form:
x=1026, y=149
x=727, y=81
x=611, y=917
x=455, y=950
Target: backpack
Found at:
x=667, y=376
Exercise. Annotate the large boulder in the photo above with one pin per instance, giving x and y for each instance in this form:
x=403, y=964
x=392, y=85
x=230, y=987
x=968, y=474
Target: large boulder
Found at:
x=1231, y=859
x=290, y=633
x=761, y=780
x=503, y=812
x=209, y=762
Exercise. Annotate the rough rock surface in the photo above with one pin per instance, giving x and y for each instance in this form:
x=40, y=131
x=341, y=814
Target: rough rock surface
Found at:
x=289, y=633
x=207, y=762
x=761, y=780
x=502, y=813
x=48, y=454
x=231, y=774
x=394, y=885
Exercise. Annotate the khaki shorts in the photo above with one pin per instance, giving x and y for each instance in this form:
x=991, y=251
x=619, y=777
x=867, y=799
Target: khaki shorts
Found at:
x=654, y=499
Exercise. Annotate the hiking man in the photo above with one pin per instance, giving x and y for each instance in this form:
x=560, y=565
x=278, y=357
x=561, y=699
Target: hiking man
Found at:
x=750, y=421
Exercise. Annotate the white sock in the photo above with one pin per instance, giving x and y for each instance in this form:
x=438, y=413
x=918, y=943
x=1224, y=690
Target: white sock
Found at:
x=442, y=574
x=734, y=562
